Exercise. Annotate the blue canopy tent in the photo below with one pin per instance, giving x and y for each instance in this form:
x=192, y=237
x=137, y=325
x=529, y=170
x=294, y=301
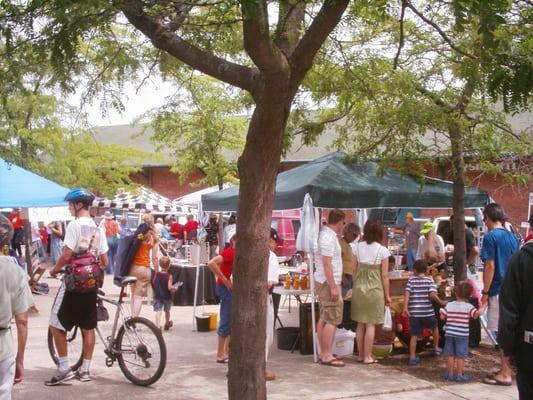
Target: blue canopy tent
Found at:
x=22, y=188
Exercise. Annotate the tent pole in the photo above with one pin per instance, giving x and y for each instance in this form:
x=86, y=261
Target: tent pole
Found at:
x=195, y=296
x=313, y=320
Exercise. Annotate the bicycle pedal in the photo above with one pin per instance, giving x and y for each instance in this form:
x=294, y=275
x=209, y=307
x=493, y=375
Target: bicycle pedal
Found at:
x=109, y=362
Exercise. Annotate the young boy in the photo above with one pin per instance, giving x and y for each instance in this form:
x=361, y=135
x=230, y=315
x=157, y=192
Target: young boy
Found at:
x=457, y=315
x=163, y=289
x=419, y=293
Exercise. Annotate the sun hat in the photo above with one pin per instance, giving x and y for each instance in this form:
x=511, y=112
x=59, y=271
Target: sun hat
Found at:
x=108, y=215
x=409, y=215
x=427, y=227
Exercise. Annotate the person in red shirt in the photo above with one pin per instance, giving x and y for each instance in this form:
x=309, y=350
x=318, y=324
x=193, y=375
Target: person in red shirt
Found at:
x=43, y=233
x=18, y=226
x=222, y=267
x=190, y=228
x=176, y=229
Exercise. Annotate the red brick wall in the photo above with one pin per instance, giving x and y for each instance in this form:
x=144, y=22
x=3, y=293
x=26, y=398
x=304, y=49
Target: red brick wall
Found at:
x=167, y=183
x=513, y=199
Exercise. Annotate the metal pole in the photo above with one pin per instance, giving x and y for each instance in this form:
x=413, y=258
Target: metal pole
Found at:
x=313, y=322
x=194, y=327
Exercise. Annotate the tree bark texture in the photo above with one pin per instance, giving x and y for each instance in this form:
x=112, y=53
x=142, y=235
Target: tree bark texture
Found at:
x=458, y=171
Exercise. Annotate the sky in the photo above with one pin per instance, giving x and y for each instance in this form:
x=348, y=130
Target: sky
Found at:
x=151, y=95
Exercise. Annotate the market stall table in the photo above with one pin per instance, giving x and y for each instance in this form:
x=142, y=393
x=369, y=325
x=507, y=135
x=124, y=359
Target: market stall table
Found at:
x=187, y=274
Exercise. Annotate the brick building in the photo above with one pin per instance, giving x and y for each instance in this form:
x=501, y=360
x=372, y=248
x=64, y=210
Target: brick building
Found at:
x=156, y=172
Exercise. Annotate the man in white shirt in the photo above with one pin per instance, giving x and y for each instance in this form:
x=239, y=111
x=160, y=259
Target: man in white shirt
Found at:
x=273, y=279
x=328, y=275
x=15, y=301
x=70, y=308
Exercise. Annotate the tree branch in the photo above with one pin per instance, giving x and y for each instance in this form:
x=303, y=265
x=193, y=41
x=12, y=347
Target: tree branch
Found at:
x=301, y=60
x=401, y=41
x=182, y=11
x=289, y=27
x=165, y=39
x=439, y=30
x=257, y=42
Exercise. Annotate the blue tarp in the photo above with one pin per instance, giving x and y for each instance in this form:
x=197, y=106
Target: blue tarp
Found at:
x=21, y=188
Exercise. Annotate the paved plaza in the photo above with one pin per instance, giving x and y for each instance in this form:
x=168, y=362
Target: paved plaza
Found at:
x=191, y=371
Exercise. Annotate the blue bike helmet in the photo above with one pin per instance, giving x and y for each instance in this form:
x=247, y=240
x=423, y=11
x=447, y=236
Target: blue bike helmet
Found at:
x=80, y=195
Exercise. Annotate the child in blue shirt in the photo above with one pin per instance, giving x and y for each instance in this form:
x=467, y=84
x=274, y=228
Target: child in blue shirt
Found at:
x=163, y=289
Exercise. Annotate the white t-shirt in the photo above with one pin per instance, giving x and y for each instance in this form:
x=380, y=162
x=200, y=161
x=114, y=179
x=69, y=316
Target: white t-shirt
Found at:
x=422, y=244
x=372, y=253
x=273, y=267
x=15, y=298
x=229, y=231
x=79, y=234
x=35, y=233
x=329, y=246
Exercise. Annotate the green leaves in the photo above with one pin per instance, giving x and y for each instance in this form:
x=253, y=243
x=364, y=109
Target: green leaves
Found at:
x=201, y=127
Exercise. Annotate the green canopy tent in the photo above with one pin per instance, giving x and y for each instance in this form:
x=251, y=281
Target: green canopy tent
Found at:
x=332, y=182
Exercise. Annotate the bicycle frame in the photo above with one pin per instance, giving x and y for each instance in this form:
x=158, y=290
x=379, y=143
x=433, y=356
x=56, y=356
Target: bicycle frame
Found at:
x=120, y=312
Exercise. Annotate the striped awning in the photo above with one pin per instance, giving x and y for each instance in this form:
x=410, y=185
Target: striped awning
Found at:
x=146, y=199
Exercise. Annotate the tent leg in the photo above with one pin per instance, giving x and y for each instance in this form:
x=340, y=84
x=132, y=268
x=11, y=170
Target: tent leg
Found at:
x=313, y=320
x=195, y=298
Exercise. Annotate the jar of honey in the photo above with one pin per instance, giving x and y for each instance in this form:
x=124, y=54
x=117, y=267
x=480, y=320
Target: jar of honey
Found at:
x=304, y=282
x=296, y=282
x=287, y=282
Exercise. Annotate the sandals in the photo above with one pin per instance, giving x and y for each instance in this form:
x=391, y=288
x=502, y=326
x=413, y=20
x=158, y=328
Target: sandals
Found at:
x=369, y=362
x=223, y=360
x=494, y=381
x=168, y=325
x=333, y=363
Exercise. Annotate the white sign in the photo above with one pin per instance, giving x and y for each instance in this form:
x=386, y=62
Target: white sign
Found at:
x=524, y=225
x=49, y=214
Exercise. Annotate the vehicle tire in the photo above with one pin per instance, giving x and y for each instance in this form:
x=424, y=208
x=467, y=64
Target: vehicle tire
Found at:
x=74, y=345
x=141, y=351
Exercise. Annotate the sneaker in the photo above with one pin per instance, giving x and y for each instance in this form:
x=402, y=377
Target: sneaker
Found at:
x=437, y=351
x=448, y=377
x=83, y=376
x=462, y=378
x=60, y=377
x=413, y=361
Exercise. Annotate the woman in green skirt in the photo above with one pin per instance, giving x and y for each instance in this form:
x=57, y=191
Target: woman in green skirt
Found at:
x=370, y=291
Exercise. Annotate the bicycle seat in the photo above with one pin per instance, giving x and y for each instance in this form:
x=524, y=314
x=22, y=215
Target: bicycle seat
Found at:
x=127, y=280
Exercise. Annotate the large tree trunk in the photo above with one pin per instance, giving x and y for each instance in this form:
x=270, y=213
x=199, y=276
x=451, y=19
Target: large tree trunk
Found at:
x=258, y=168
x=458, y=171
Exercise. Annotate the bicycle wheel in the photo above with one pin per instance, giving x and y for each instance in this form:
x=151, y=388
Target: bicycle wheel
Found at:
x=74, y=346
x=141, y=351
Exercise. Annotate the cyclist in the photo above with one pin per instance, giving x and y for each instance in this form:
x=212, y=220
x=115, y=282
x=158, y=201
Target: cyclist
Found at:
x=76, y=309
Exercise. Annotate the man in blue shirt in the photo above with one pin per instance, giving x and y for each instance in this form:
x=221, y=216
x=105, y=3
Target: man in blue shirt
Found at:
x=498, y=246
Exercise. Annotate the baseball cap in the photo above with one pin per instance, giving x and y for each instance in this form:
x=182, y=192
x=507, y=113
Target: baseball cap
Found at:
x=427, y=227
x=274, y=235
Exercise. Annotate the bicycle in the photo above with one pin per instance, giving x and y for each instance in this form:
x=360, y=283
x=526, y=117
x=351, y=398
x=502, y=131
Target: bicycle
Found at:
x=137, y=337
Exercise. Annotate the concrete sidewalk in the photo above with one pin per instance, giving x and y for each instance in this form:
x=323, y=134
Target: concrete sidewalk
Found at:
x=191, y=371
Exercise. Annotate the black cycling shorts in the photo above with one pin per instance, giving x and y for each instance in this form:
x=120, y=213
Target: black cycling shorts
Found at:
x=78, y=309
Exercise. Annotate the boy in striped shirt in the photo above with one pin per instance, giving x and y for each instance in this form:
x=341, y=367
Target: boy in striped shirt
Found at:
x=419, y=294
x=457, y=314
